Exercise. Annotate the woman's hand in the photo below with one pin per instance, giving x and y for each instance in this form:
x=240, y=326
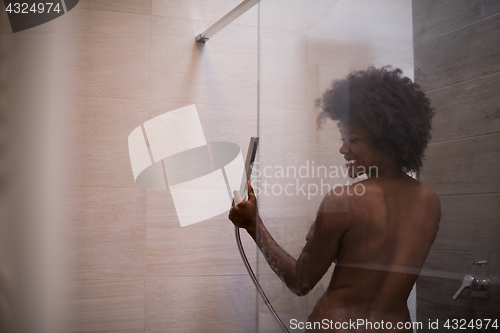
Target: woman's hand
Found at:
x=245, y=214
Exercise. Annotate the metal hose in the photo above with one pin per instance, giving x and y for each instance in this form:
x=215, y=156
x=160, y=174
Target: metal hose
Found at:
x=254, y=279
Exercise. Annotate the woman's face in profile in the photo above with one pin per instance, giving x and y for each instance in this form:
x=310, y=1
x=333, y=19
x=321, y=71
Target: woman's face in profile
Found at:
x=362, y=156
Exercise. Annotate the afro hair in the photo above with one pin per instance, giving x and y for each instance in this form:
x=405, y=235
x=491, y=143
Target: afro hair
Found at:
x=392, y=109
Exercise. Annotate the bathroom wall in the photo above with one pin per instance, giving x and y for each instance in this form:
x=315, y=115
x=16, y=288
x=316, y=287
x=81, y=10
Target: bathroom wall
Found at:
x=132, y=267
x=456, y=63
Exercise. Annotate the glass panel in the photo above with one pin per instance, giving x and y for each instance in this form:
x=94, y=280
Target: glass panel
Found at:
x=450, y=49
x=304, y=46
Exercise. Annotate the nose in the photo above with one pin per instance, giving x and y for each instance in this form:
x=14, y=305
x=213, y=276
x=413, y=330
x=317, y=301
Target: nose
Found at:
x=344, y=149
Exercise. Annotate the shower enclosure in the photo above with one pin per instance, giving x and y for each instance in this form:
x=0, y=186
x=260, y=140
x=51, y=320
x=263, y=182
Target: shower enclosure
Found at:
x=451, y=50
x=303, y=47
x=79, y=229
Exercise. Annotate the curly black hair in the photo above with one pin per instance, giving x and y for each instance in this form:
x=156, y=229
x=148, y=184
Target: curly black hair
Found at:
x=391, y=108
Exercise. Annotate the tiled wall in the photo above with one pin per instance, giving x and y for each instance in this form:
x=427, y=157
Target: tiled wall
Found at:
x=133, y=269
x=456, y=63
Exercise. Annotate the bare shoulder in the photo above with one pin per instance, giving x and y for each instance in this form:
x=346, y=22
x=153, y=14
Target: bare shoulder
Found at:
x=367, y=192
x=431, y=195
x=334, y=211
x=431, y=199
x=341, y=198
x=343, y=204
x=354, y=198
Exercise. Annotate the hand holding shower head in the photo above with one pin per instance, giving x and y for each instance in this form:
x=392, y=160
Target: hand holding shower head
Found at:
x=251, y=154
x=238, y=197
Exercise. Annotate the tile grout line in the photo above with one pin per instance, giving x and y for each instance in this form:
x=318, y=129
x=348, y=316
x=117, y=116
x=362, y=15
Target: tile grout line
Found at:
x=456, y=29
x=107, y=97
x=173, y=17
x=463, y=82
x=464, y=138
x=182, y=102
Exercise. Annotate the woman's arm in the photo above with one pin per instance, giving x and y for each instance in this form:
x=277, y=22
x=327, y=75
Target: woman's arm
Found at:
x=302, y=274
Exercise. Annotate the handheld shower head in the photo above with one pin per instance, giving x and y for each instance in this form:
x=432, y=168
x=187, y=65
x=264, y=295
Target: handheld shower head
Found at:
x=251, y=154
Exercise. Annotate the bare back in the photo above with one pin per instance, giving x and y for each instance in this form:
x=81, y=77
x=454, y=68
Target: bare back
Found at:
x=392, y=227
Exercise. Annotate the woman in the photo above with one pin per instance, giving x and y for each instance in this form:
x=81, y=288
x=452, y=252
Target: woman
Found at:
x=378, y=240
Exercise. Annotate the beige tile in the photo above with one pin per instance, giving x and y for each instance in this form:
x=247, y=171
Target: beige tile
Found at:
x=229, y=124
x=368, y=20
x=337, y=56
x=286, y=172
x=222, y=72
x=283, y=70
x=111, y=55
x=127, y=6
x=204, y=11
x=282, y=49
x=106, y=260
x=98, y=140
x=284, y=15
x=174, y=47
x=284, y=89
x=219, y=122
x=161, y=209
x=206, y=88
x=196, y=250
x=200, y=304
x=106, y=305
x=106, y=231
x=284, y=137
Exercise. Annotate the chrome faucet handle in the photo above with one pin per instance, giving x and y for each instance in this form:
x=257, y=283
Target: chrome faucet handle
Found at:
x=480, y=287
x=467, y=281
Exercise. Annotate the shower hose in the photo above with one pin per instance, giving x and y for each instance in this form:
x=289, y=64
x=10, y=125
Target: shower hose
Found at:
x=254, y=279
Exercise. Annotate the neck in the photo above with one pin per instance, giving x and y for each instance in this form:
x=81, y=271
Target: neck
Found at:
x=389, y=173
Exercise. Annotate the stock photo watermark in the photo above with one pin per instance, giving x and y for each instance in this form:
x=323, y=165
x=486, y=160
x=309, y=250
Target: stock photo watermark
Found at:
x=28, y=14
x=308, y=180
x=365, y=324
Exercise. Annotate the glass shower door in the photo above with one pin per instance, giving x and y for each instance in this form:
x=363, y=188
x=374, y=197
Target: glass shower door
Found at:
x=303, y=47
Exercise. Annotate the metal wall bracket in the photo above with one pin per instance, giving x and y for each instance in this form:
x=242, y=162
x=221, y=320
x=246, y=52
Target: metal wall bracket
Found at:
x=201, y=39
x=228, y=18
